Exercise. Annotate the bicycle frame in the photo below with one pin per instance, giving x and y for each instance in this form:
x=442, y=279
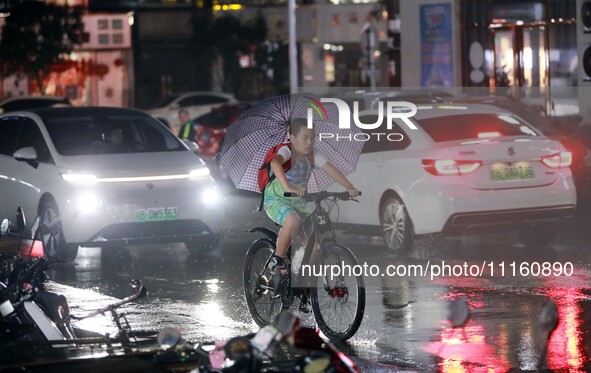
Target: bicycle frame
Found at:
x=268, y=291
x=320, y=223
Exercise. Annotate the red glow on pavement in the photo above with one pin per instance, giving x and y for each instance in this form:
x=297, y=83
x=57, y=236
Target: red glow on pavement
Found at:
x=461, y=347
x=565, y=348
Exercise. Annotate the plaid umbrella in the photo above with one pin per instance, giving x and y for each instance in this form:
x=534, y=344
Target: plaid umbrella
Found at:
x=249, y=139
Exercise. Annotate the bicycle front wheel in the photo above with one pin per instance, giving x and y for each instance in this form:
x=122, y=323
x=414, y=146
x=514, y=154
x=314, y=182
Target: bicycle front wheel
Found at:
x=338, y=300
x=263, y=302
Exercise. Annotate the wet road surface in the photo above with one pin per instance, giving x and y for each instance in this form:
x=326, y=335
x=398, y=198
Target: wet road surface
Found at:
x=405, y=319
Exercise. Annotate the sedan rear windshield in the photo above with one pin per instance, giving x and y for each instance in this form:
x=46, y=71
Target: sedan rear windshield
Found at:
x=109, y=134
x=475, y=126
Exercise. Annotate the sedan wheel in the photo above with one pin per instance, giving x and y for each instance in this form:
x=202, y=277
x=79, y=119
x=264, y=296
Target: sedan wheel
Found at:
x=396, y=225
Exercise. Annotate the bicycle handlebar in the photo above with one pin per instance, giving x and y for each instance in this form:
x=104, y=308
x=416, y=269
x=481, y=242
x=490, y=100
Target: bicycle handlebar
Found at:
x=321, y=195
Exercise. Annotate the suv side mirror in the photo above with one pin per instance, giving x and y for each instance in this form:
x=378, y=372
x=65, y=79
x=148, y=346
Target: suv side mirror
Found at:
x=25, y=154
x=192, y=145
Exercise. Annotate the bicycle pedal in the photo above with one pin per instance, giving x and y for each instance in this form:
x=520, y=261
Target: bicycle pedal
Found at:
x=280, y=280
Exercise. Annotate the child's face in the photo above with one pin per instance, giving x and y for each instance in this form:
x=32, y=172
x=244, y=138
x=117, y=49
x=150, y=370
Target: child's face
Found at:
x=303, y=142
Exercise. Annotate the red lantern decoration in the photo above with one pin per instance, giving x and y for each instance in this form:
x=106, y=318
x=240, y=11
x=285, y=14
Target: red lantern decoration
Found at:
x=101, y=70
x=118, y=62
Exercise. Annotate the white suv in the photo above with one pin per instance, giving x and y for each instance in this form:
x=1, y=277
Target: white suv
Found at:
x=113, y=177
x=466, y=166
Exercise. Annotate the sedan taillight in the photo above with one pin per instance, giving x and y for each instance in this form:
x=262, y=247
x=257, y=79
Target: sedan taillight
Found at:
x=446, y=167
x=558, y=160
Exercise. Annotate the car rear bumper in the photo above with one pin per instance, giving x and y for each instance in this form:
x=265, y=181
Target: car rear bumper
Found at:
x=475, y=220
x=433, y=205
x=189, y=231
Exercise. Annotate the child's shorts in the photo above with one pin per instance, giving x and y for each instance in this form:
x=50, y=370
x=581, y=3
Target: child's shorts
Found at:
x=279, y=207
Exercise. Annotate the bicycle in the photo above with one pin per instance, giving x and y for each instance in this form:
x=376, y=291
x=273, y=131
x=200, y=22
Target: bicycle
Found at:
x=338, y=300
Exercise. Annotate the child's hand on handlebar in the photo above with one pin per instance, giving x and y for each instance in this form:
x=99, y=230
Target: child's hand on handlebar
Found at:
x=353, y=192
x=295, y=190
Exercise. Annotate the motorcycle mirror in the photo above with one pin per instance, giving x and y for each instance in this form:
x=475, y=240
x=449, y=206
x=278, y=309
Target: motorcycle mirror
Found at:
x=35, y=228
x=21, y=222
x=168, y=337
x=549, y=317
x=458, y=312
x=138, y=288
x=4, y=227
x=548, y=322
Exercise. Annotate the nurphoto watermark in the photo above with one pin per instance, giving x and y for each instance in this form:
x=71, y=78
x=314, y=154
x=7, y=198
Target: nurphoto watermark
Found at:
x=390, y=110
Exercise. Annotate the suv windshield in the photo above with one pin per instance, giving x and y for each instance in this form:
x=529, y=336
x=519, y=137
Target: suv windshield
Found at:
x=475, y=126
x=109, y=134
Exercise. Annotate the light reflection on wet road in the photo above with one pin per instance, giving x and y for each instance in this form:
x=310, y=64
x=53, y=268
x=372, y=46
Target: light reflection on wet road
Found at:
x=404, y=323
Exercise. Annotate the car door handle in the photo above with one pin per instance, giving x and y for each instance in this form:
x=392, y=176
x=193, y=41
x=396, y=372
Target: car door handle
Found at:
x=380, y=164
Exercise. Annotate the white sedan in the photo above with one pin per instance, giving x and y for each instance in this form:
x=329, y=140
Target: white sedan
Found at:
x=113, y=177
x=196, y=103
x=466, y=166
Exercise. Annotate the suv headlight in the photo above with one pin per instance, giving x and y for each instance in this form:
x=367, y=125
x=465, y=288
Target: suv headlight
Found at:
x=88, y=204
x=199, y=173
x=80, y=178
x=211, y=198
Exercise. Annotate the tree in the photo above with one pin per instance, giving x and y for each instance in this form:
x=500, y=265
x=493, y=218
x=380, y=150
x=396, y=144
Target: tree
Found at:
x=37, y=35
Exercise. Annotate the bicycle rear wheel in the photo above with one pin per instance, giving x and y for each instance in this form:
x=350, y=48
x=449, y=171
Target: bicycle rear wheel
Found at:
x=338, y=301
x=263, y=301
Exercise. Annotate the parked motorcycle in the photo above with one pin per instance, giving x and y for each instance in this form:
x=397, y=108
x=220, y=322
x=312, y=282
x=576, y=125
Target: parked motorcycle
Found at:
x=29, y=312
x=37, y=331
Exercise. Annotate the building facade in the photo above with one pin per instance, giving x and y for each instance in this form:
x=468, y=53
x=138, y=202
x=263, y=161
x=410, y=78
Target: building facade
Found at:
x=536, y=50
x=99, y=72
x=532, y=50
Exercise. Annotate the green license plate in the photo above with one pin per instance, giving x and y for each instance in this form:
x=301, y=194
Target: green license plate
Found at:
x=520, y=170
x=157, y=214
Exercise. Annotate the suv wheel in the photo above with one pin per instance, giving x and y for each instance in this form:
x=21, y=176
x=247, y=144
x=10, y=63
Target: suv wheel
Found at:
x=53, y=239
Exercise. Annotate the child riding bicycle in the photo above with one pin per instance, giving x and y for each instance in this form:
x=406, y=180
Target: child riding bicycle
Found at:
x=289, y=212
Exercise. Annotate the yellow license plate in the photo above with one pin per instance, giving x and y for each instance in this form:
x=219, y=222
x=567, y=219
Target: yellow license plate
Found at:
x=521, y=170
